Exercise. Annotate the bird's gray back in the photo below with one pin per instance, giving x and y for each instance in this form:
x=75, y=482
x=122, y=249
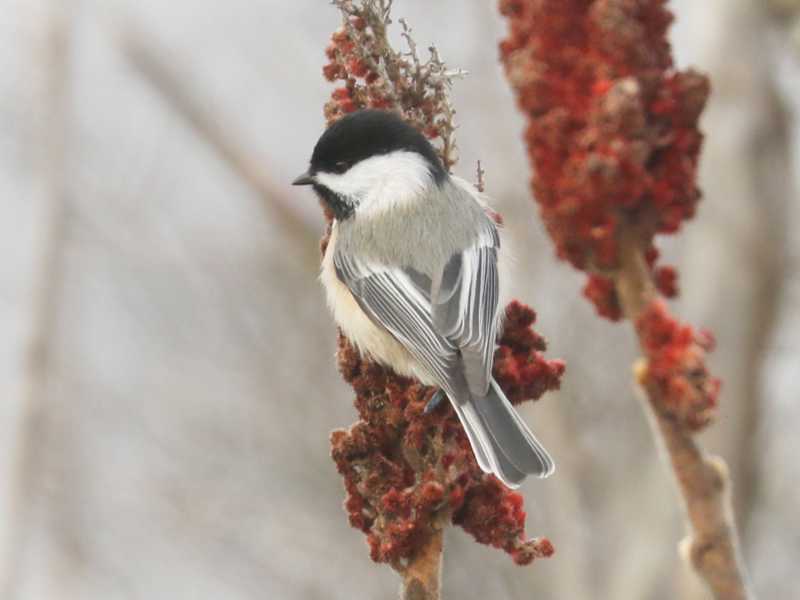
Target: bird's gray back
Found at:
x=422, y=234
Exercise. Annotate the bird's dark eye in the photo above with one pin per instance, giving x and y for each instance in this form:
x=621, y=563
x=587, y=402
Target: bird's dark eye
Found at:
x=341, y=166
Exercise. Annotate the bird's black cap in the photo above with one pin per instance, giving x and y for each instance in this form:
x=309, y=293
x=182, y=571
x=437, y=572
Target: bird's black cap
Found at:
x=367, y=133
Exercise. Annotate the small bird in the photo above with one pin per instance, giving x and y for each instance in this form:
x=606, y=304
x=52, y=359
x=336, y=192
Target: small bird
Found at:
x=411, y=274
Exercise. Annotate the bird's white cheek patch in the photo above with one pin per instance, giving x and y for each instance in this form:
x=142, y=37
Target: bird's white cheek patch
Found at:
x=381, y=183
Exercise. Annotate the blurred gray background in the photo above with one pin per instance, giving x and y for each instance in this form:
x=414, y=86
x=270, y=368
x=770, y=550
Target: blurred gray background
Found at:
x=167, y=381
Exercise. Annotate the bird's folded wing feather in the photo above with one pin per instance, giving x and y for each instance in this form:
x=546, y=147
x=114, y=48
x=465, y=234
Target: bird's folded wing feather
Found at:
x=449, y=325
x=464, y=307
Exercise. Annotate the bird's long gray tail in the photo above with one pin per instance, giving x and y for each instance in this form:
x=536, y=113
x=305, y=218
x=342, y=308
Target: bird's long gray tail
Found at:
x=501, y=440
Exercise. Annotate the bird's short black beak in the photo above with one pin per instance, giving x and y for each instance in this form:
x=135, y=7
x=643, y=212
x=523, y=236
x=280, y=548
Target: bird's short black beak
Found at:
x=304, y=179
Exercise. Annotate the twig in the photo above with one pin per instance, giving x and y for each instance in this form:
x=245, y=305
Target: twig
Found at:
x=480, y=184
x=178, y=93
x=712, y=546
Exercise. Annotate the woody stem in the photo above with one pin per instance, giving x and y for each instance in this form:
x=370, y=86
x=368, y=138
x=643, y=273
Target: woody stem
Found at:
x=711, y=546
x=422, y=577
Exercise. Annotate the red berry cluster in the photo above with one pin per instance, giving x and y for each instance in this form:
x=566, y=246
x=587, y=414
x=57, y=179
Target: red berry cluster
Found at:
x=406, y=471
x=495, y=516
x=348, y=61
x=676, y=366
x=612, y=129
x=519, y=366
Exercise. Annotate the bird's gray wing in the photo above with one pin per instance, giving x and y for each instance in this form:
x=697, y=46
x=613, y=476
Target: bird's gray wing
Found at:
x=398, y=299
x=449, y=326
x=464, y=307
x=464, y=310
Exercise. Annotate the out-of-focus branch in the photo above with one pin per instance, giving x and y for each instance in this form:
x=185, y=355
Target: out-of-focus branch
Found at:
x=175, y=89
x=787, y=12
x=712, y=546
x=45, y=297
x=771, y=158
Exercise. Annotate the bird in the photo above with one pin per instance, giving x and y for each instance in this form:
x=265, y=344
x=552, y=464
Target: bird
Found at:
x=412, y=274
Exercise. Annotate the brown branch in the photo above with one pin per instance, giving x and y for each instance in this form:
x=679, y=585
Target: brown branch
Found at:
x=422, y=577
x=712, y=546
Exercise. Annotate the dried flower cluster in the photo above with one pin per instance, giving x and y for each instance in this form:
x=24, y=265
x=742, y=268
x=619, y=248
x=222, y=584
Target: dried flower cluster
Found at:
x=405, y=471
x=374, y=75
x=612, y=137
x=612, y=131
x=676, y=368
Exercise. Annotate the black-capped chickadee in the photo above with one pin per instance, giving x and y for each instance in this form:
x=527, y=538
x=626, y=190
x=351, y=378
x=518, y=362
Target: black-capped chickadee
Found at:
x=411, y=275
